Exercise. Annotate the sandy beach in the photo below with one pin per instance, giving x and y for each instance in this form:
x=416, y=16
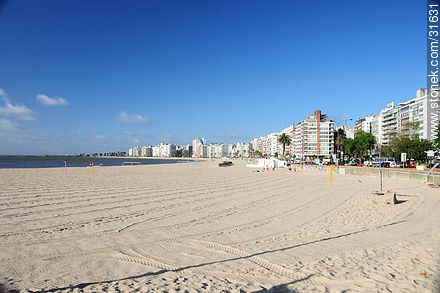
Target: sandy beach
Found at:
x=196, y=227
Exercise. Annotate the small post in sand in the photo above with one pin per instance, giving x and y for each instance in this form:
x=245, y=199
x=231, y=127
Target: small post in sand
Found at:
x=331, y=174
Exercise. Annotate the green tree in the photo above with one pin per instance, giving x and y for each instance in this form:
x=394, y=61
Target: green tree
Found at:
x=250, y=149
x=340, y=141
x=361, y=146
x=285, y=140
x=415, y=147
x=364, y=142
x=437, y=139
x=350, y=147
x=410, y=129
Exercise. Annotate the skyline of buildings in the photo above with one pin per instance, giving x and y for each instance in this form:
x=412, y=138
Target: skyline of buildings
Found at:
x=396, y=120
x=312, y=137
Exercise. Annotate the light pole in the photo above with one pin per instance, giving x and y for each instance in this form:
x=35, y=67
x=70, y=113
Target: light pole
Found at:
x=380, y=164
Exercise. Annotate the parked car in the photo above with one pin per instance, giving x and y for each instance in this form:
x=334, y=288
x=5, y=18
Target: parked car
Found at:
x=379, y=164
x=360, y=165
x=396, y=164
x=352, y=163
x=375, y=164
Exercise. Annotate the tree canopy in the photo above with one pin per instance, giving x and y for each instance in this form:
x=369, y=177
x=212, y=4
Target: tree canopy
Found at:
x=415, y=147
x=340, y=141
x=285, y=140
x=361, y=146
x=437, y=139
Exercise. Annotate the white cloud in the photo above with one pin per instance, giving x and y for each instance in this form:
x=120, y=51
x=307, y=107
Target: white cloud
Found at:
x=232, y=136
x=136, y=140
x=19, y=111
x=100, y=137
x=128, y=132
x=56, y=101
x=166, y=138
x=6, y=125
x=130, y=118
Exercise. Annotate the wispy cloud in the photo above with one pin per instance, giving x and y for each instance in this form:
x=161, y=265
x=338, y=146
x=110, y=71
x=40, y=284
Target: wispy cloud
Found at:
x=166, y=138
x=100, y=137
x=136, y=140
x=19, y=111
x=56, y=101
x=131, y=118
x=238, y=137
x=6, y=125
x=128, y=132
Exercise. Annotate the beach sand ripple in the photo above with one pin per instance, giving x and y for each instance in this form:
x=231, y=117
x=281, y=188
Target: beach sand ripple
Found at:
x=199, y=228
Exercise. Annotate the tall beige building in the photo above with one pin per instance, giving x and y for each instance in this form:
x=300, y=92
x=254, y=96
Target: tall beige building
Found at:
x=314, y=137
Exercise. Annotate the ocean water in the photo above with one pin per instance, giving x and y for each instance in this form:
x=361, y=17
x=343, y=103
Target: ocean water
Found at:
x=51, y=162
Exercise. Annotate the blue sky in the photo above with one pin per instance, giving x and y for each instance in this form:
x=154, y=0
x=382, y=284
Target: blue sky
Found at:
x=98, y=76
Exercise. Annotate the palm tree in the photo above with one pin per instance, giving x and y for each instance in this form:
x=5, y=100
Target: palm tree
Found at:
x=340, y=140
x=285, y=140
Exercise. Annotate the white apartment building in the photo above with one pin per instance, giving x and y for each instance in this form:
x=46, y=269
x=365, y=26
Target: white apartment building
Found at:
x=368, y=124
x=270, y=145
x=230, y=151
x=257, y=144
x=314, y=137
x=415, y=110
x=202, y=151
x=156, y=151
x=267, y=145
x=167, y=150
x=135, y=152
x=395, y=119
x=188, y=150
x=241, y=149
x=289, y=131
x=349, y=131
x=215, y=150
x=388, y=123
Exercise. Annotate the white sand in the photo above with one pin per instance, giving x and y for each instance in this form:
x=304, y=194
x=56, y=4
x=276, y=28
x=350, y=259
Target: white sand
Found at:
x=201, y=228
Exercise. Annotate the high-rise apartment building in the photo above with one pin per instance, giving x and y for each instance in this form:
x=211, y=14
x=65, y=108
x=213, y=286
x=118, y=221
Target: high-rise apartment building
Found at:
x=147, y=151
x=198, y=150
x=388, y=123
x=368, y=124
x=289, y=131
x=397, y=120
x=314, y=137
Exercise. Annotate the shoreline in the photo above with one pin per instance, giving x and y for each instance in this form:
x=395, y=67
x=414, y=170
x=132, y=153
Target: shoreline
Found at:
x=58, y=162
